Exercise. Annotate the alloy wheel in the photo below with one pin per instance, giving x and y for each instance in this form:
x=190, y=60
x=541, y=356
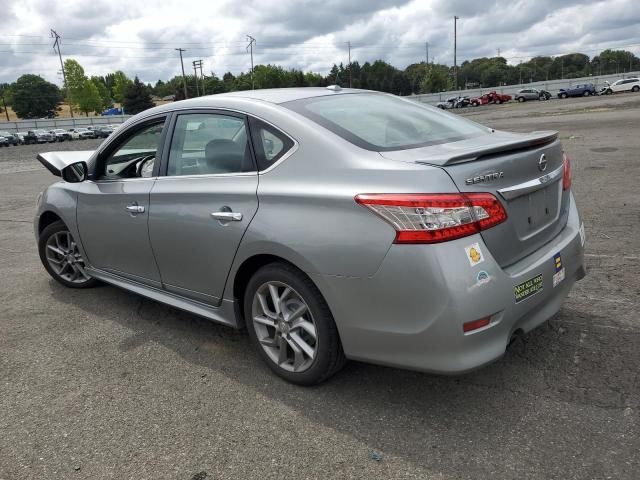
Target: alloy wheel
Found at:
x=284, y=326
x=65, y=259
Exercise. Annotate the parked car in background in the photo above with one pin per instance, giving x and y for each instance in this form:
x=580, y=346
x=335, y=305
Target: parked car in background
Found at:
x=61, y=134
x=622, y=85
x=114, y=125
x=531, y=94
x=39, y=136
x=21, y=136
x=103, y=132
x=583, y=90
x=81, y=133
x=3, y=142
x=12, y=138
x=330, y=223
x=454, y=102
x=491, y=97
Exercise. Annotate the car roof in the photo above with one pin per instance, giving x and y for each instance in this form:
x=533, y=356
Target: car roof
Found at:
x=270, y=95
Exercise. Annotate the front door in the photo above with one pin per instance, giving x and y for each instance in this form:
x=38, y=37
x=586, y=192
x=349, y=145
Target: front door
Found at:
x=202, y=206
x=113, y=208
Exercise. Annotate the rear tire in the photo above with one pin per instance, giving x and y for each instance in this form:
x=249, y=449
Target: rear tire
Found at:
x=297, y=338
x=61, y=257
x=635, y=88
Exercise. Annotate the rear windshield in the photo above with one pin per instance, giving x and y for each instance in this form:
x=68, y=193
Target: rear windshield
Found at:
x=382, y=122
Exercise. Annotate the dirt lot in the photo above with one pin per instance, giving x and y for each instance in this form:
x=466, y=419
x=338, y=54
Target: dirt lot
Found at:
x=105, y=384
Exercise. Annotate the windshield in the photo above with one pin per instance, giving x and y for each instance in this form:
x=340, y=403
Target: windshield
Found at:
x=381, y=122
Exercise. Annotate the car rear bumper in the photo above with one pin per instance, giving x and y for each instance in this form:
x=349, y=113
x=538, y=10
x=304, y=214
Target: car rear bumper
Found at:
x=411, y=312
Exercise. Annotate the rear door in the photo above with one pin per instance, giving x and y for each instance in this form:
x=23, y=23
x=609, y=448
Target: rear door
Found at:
x=203, y=202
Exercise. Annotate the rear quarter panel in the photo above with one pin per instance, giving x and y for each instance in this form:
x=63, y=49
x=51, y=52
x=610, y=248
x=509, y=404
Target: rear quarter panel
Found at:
x=307, y=212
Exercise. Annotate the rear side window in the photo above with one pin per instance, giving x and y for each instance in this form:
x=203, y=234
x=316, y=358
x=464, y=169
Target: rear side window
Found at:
x=269, y=143
x=381, y=122
x=207, y=144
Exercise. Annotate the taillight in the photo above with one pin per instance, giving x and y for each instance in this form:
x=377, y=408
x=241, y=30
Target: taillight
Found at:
x=433, y=218
x=566, y=172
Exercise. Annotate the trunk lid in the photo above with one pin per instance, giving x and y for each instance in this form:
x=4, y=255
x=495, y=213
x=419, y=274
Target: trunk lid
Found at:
x=524, y=171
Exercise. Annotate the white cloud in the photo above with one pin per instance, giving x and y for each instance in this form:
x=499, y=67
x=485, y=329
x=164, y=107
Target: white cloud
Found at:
x=140, y=37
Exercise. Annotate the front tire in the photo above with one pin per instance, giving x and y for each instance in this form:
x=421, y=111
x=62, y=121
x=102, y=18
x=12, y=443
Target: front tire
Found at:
x=61, y=257
x=291, y=325
x=635, y=89
x=521, y=99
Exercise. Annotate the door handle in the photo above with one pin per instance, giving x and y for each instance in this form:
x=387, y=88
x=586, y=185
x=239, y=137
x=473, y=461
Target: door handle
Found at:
x=227, y=216
x=134, y=208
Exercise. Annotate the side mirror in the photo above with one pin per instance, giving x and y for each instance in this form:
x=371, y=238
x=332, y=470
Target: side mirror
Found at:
x=75, y=173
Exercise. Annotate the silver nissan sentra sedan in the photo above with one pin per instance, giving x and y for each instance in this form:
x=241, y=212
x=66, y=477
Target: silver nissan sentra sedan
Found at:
x=332, y=223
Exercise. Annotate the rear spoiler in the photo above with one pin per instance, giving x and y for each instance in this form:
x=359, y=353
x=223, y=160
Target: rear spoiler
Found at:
x=512, y=145
x=507, y=147
x=55, y=162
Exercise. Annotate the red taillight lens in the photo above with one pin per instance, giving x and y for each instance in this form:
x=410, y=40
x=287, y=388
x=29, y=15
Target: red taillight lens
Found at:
x=566, y=172
x=433, y=218
x=476, y=324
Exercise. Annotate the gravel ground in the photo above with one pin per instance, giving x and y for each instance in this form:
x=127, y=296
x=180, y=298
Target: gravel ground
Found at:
x=105, y=384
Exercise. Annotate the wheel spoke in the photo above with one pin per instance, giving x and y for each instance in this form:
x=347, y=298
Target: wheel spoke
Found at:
x=269, y=341
x=298, y=355
x=275, y=298
x=265, y=306
x=264, y=320
x=81, y=271
x=282, y=354
x=297, y=313
x=299, y=342
x=56, y=250
x=306, y=326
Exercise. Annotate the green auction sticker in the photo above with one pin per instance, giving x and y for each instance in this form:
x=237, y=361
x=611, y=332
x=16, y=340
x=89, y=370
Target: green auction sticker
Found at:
x=528, y=288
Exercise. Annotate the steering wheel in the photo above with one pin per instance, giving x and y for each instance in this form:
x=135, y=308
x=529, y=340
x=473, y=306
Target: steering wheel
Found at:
x=145, y=167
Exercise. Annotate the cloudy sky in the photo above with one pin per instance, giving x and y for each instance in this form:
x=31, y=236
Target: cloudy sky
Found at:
x=139, y=37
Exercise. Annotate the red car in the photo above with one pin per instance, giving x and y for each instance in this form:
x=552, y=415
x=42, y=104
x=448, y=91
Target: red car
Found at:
x=491, y=97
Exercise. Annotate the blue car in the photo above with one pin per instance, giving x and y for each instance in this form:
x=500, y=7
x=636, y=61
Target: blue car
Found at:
x=583, y=90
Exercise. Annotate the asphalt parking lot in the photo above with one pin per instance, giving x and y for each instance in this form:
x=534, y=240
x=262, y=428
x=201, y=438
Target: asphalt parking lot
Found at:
x=102, y=383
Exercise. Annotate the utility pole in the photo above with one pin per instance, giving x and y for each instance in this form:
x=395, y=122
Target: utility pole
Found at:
x=202, y=77
x=498, y=52
x=455, y=51
x=349, y=48
x=426, y=49
x=252, y=42
x=184, y=77
x=56, y=45
x=196, y=64
x=4, y=105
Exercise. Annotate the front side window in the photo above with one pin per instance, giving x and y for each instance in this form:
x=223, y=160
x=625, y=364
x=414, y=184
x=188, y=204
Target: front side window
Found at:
x=381, y=122
x=208, y=143
x=135, y=157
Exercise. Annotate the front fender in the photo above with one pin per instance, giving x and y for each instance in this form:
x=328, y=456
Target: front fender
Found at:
x=60, y=199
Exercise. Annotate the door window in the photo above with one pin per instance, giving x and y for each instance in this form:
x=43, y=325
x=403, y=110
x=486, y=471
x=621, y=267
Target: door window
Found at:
x=205, y=144
x=269, y=143
x=135, y=157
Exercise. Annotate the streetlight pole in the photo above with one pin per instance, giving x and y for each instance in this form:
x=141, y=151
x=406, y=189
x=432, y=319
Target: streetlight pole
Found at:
x=455, y=51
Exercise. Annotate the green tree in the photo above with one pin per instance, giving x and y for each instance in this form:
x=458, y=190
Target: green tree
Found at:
x=121, y=84
x=137, y=98
x=436, y=80
x=103, y=92
x=34, y=97
x=75, y=80
x=88, y=98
